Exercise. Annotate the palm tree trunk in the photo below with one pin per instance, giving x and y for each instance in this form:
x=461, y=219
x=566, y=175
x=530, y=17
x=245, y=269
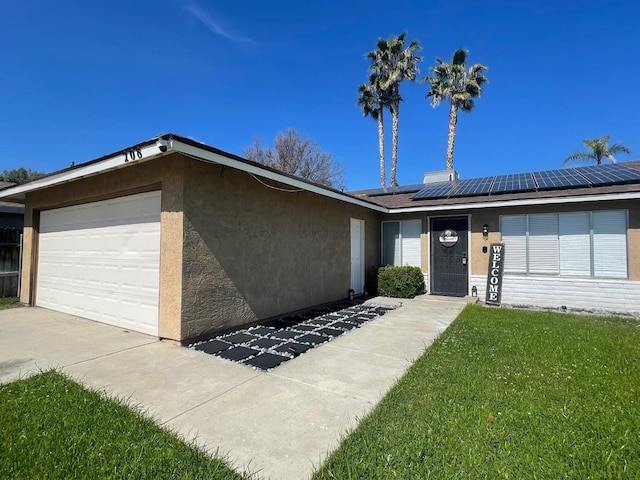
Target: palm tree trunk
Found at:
x=453, y=122
x=394, y=143
x=383, y=173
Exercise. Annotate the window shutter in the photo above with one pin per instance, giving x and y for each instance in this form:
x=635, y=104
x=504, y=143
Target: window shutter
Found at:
x=514, y=235
x=544, y=251
x=411, y=242
x=575, y=244
x=610, y=244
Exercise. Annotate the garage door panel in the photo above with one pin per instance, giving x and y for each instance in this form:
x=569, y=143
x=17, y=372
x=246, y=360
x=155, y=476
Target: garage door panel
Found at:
x=101, y=261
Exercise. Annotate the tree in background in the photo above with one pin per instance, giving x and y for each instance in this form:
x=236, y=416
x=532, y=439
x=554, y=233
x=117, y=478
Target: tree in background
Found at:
x=298, y=155
x=373, y=100
x=598, y=150
x=392, y=63
x=457, y=84
x=20, y=175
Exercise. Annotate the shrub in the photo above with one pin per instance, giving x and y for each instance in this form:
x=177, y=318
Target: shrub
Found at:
x=400, y=282
x=372, y=279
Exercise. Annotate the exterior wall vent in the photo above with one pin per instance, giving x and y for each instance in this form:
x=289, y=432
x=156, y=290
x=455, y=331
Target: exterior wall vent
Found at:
x=441, y=176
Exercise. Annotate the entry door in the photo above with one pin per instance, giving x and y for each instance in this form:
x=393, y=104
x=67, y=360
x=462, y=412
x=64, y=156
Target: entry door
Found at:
x=357, y=256
x=449, y=256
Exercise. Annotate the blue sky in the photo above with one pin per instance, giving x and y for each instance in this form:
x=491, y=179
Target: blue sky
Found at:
x=83, y=79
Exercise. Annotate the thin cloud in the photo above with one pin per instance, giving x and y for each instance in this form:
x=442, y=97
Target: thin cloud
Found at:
x=215, y=27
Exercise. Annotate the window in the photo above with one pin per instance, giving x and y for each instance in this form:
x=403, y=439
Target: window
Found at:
x=576, y=244
x=401, y=243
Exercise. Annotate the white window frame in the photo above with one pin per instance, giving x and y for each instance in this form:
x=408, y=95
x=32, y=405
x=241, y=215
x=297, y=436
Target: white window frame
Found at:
x=545, y=253
x=404, y=244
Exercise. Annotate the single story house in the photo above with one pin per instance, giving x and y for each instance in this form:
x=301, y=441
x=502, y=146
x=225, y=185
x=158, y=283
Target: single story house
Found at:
x=180, y=240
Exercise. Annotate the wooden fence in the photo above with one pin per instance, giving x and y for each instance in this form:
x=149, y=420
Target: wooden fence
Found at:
x=10, y=239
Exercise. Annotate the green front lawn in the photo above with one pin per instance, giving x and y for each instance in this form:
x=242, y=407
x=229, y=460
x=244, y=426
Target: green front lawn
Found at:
x=501, y=394
x=508, y=394
x=51, y=427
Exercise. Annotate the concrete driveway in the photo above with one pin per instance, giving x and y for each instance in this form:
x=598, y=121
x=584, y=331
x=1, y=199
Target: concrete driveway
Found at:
x=280, y=423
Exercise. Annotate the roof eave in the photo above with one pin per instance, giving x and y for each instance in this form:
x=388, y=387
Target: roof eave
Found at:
x=129, y=156
x=172, y=143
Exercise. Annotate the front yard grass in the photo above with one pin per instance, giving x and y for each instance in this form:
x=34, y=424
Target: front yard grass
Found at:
x=51, y=427
x=508, y=394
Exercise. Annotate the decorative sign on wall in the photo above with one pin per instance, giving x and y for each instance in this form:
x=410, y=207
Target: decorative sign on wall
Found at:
x=448, y=238
x=494, y=274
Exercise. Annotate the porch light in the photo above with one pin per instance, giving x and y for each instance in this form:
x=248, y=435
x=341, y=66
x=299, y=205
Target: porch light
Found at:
x=485, y=231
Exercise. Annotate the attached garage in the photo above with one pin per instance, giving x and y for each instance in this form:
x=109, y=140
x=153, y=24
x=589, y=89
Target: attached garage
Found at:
x=101, y=260
x=179, y=240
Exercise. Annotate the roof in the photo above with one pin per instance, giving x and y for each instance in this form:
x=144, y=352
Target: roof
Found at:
x=12, y=208
x=167, y=144
x=9, y=207
x=405, y=198
x=390, y=200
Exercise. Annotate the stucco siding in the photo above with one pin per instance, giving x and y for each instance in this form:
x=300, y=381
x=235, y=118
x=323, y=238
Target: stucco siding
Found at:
x=253, y=252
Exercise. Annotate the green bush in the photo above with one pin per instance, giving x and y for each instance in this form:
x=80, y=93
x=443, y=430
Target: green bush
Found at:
x=372, y=280
x=400, y=282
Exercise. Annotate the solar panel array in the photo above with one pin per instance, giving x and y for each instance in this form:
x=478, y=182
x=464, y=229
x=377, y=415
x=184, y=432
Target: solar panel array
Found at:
x=393, y=190
x=592, y=176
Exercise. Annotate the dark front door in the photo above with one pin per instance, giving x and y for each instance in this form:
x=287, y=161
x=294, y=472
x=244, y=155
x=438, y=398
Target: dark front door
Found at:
x=449, y=256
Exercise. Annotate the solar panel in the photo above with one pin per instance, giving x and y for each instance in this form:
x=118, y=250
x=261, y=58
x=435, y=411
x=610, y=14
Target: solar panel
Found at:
x=471, y=187
x=517, y=182
x=561, y=178
x=378, y=192
x=434, y=190
x=600, y=175
x=596, y=175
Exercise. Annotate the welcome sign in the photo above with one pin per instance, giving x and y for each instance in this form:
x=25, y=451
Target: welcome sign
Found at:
x=494, y=274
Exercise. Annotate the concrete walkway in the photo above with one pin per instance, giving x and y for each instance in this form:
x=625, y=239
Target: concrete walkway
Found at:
x=280, y=424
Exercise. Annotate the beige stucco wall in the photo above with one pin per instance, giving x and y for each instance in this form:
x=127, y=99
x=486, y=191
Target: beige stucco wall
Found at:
x=164, y=173
x=252, y=252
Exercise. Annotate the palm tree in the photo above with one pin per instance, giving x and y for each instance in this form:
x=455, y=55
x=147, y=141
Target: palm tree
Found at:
x=457, y=84
x=392, y=63
x=598, y=149
x=373, y=99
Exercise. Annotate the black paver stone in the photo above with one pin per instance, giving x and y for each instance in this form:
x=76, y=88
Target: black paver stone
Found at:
x=305, y=328
x=320, y=321
x=344, y=325
x=213, y=346
x=313, y=339
x=238, y=353
x=332, y=332
x=265, y=361
x=262, y=331
x=285, y=334
x=265, y=342
x=293, y=348
x=240, y=337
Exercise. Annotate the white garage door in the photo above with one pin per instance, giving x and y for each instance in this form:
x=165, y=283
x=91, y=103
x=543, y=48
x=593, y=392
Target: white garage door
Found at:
x=101, y=261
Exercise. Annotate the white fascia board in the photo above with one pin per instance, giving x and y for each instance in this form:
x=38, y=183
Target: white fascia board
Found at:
x=520, y=203
x=113, y=162
x=200, y=153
